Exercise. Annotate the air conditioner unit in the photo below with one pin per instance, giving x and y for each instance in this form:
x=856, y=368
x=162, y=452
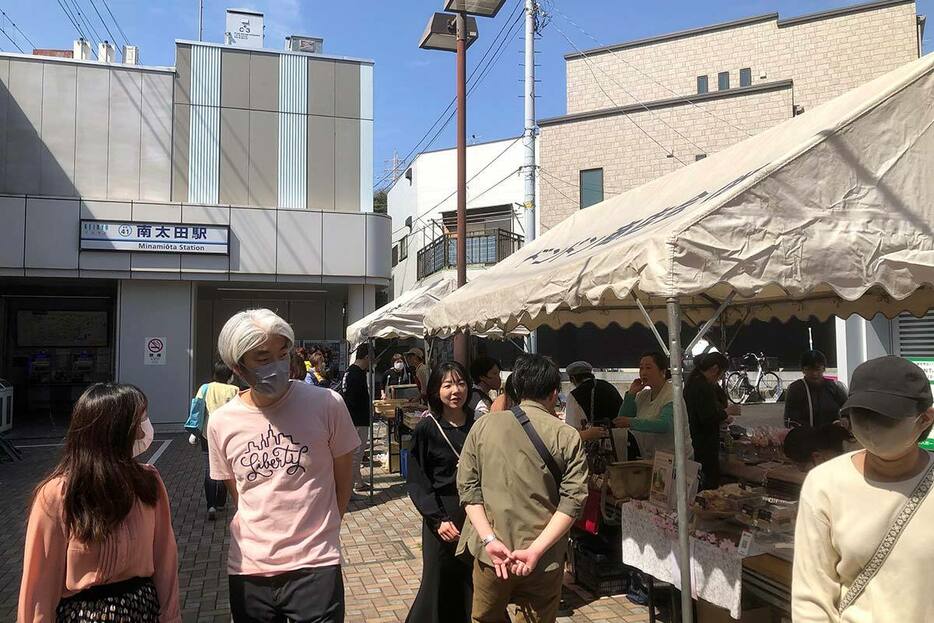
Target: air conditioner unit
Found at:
x=302, y=43
x=131, y=54
x=105, y=52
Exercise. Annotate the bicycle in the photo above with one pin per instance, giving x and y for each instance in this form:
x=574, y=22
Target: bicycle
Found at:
x=767, y=386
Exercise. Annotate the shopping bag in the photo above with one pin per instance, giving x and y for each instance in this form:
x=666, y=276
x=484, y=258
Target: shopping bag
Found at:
x=196, y=412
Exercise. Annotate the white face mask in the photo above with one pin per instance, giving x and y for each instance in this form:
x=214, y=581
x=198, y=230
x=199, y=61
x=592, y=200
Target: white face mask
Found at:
x=141, y=445
x=398, y=366
x=886, y=438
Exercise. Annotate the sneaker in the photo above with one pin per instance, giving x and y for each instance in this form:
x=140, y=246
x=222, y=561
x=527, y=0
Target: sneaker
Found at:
x=212, y=513
x=363, y=486
x=356, y=497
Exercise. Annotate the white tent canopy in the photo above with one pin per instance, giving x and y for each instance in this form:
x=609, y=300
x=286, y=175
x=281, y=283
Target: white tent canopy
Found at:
x=828, y=213
x=401, y=317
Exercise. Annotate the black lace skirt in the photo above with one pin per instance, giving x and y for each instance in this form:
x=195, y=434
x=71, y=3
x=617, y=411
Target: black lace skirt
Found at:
x=130, y=601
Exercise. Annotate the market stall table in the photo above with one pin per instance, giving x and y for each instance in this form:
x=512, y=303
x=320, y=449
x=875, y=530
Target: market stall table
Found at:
x=719, y=570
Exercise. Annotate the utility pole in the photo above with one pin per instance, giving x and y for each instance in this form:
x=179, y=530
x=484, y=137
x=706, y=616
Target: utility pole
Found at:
x=460, y=338
x=200, y=20
x=528, y=137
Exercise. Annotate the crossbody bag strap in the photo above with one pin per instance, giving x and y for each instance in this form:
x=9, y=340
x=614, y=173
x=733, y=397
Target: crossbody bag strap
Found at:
x=543, y=452
x=443, y=434
x=807, y=390
x=890, y=539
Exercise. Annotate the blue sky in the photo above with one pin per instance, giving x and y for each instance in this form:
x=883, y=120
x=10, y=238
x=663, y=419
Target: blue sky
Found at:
x=412, y=86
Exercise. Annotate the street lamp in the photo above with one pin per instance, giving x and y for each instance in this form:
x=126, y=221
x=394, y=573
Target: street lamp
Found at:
x=454, y=32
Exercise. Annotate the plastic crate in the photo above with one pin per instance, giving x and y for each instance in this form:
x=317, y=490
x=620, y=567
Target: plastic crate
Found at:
x=598, y=573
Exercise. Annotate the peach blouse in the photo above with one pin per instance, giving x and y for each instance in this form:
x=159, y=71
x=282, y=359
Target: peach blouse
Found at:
x=56, y=566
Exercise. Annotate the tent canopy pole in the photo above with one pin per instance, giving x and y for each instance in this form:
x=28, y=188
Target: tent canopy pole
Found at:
x=680, y=424
x=704, y=329
x=371, y=343
x=650, y=324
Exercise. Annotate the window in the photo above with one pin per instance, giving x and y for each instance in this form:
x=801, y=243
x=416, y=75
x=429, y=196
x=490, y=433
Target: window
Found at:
x=591, y=187
x=745, y=77
x=702, y=86
x=395, y=255
x=699, y=157
x=403, y=248
x=723, y=80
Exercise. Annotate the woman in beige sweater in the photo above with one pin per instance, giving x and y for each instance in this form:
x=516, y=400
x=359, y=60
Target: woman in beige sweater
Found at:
x=851, y=563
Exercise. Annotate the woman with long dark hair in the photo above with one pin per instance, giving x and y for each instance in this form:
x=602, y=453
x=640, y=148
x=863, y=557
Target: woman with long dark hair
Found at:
x=446, y=590
x=99, y=545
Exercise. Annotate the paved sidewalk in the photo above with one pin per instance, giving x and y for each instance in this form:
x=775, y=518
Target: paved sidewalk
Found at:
x=382, y=547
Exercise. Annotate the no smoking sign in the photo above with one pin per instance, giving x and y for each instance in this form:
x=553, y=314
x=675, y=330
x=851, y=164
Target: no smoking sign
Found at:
x=154, y=352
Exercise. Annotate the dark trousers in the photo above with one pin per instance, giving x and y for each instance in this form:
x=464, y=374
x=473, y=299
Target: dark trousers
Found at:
x=215, y=491
x=313, y=595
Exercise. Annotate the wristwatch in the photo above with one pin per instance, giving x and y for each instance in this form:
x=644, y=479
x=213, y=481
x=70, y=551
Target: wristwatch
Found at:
x=488, y=539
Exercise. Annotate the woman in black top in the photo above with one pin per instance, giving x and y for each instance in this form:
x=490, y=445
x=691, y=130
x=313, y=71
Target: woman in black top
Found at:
x=707, y=408
x=446, y=590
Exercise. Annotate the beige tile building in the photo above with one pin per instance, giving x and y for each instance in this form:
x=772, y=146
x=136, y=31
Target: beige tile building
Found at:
x=639, y=110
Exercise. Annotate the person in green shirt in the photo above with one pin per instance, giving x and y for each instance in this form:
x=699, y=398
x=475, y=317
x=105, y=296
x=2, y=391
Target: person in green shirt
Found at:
x=519, y=514
x=648, y=410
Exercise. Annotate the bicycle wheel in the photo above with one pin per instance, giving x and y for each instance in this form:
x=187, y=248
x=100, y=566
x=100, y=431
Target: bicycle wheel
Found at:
x=769, y=387
x=737, y=387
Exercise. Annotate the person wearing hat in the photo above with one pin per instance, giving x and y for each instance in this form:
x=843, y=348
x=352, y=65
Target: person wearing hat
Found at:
x=590, y=402
x=862, y=540
x=415, y=357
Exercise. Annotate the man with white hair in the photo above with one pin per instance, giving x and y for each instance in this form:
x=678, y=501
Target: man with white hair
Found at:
x=284, y=451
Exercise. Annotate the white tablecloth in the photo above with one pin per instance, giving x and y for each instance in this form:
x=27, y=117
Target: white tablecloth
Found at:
x=716, y=572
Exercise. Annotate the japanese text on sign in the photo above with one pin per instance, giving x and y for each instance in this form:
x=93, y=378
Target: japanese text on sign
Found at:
x=154, y=237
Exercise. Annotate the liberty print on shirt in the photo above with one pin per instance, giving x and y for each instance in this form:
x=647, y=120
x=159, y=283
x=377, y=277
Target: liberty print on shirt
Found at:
x=273, y=451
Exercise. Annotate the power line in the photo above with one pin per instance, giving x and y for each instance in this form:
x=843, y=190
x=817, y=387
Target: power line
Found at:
x=11, y=40
x=652, y=78
x=491, y=187
x=409, y=156
x=25, y=36
x=629, y=93
x=71, y=19
x=116, y=23
x=87, y=25
x=596, y=80
x=472, y=178
x=611, y=191
x=558, y=190
x=106, y=27
x=513, y=32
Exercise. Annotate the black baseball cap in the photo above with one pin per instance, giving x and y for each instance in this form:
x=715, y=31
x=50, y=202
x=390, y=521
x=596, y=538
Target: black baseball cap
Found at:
x=891, y=386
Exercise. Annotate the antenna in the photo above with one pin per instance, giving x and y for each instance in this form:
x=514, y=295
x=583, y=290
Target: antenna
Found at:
x=394, y=168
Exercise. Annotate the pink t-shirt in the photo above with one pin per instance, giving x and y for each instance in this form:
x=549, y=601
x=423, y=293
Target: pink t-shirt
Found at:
x=282, y=459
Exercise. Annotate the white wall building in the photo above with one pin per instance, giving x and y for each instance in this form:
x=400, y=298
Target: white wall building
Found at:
x=423, y=201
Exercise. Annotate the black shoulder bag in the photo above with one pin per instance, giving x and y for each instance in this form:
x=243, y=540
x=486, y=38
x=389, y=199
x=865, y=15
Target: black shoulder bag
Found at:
x=543, y=452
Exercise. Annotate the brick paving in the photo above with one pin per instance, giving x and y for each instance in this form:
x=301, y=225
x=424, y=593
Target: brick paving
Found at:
x=382, y=544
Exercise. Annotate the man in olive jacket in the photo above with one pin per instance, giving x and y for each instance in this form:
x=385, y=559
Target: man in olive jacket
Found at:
x=520, y=514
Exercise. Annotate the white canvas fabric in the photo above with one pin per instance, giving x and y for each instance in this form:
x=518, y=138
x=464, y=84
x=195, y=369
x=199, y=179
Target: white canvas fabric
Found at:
x=403, y=317
x=829, y=213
